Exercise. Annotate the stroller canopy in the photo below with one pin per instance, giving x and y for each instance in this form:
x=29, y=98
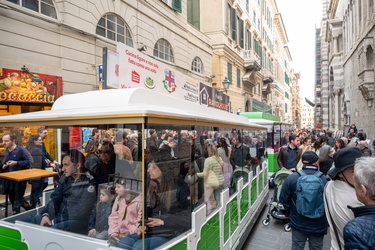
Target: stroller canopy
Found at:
x=281, y=176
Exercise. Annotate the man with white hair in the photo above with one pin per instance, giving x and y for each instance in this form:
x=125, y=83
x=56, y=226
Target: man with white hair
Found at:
x=360, y=232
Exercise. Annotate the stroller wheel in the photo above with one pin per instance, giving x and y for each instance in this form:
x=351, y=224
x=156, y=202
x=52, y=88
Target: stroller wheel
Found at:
x=287, y=227
x=266, y=222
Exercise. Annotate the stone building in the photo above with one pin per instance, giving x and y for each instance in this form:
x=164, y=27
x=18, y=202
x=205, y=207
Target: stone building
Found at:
x=349, y=38
x=307, y=115
x=66, y=39
x=249, y=49
x=296, y=100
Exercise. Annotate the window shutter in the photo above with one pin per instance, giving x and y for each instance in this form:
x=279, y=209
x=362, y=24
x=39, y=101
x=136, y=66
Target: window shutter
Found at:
x=241, y=33
x=234, y=23
x=238, y=78
x=177, y=6
x=230, y=72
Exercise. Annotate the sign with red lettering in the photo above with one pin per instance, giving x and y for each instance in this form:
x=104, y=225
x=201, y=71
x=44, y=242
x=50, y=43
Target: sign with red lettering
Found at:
x=20, y=86
x=138, y=70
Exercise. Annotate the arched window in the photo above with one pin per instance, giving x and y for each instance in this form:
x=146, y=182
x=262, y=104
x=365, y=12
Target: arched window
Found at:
x=197, y=65
x=114, y=28
x=45, y=7
x=163, y=50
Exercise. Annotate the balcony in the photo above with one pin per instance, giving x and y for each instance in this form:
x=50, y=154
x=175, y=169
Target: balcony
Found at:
x=367, y=85
x=251, y=60
x=267, y=76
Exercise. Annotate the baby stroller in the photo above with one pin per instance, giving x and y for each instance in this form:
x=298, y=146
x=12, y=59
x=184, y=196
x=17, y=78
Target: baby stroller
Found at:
x=275, y=208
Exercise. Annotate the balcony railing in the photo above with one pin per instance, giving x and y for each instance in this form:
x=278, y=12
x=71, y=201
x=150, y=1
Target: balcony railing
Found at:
x=251, y=60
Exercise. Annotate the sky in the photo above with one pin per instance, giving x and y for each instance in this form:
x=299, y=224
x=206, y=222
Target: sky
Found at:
x=300, y=19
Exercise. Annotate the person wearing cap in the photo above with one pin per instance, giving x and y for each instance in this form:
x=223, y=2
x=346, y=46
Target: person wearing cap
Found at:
x=303, y=228
x=339, y=193
x=290, y=154
x=360, y=232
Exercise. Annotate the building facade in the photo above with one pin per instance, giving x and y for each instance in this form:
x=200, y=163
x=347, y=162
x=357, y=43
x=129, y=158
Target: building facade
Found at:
x=296, y=100
x=350, y=72
x=66, y=38
x=307, y=115
x=249, y=49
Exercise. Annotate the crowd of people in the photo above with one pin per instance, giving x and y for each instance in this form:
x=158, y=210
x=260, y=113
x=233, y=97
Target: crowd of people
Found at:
x=95, y=194
x=344, y=173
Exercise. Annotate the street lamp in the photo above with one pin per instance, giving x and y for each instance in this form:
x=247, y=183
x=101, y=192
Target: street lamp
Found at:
x=226, y=83
x=33, y=77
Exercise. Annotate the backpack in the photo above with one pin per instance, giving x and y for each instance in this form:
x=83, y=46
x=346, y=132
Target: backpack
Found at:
x=310, y=190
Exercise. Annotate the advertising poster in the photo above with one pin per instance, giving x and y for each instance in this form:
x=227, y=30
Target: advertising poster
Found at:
x=139, y=70
x=19, y=86
x=112, y=75
x=212, y=98
x=75, y=138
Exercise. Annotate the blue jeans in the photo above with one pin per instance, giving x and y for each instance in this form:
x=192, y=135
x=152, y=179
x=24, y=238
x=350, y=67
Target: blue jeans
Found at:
x=299, y=240
x=37, y=187
x=134, y=242
x=75, y=226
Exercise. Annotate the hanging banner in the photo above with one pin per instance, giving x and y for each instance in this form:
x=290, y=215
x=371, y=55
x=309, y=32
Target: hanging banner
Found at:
x=139, y=70
x=210, y=97
x=19, y=86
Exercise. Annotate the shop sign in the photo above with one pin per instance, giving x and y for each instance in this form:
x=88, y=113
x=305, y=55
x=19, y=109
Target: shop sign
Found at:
x=210, y=97
x=19, y=86
x=137, y=70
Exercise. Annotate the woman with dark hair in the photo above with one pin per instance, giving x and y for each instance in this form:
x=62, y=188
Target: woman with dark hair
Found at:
x=92, y=159
x=326, y=158
x=34, y=146
x=320, y=142
x=165, y=218
x=339, y=144
x=224, y=150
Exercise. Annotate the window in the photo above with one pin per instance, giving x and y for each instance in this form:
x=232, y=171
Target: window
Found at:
x=114, y=28
x=193, y=13
x=247, y=40
x=45, y=7
x=163, y=50
x=197, y=65
x=174, y=4
x=286, y=107
x=247, y=6
x=238, y=78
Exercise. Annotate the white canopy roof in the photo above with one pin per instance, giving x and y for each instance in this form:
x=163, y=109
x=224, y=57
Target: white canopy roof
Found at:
x=128, y=101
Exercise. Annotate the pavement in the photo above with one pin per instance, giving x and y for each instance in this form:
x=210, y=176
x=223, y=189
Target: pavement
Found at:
x=274, y=236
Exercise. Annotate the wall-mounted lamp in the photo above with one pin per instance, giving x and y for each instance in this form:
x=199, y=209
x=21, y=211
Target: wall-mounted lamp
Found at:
x=225, y=83
x=142, y=48
x=33, y=78
x=212, y=76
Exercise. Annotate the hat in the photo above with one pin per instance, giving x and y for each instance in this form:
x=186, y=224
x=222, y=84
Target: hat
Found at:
x=309, y=157
x=344, y=158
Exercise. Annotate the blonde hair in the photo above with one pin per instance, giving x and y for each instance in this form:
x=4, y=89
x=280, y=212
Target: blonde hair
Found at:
x=212, y=151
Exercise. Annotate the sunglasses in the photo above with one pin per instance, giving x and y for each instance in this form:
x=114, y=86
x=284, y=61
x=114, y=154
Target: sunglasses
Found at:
x=104, y=151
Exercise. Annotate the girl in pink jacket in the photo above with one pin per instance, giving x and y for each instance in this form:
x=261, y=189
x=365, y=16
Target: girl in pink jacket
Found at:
x=126, y=212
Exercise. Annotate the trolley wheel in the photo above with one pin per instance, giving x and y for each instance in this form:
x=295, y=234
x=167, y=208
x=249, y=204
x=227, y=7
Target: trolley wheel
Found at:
x=287, y=227
x=266, y=222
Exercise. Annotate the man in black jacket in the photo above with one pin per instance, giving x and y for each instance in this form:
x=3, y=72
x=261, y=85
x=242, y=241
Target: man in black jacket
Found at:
x=290, y=154
x=360, y=232
x=72, y=201
x=303, y=227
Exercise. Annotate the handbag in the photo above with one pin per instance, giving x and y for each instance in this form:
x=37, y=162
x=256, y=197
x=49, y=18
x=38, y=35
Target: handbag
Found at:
x=212, y=180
